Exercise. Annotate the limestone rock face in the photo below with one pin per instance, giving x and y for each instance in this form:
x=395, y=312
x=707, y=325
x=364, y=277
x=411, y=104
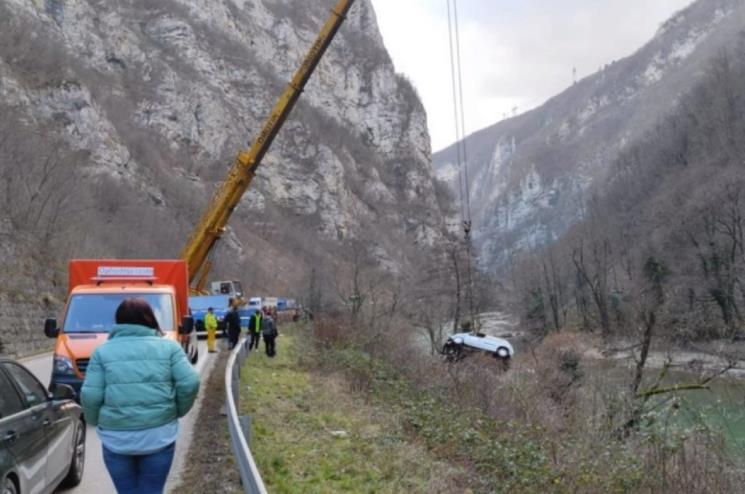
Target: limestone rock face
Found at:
x=162, y=95
x=531, y=176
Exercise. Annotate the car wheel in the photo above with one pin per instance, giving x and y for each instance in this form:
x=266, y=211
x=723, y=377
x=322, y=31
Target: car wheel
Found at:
x=503, y=355
x=452, y=351
x=77, y=463
x=9, y=487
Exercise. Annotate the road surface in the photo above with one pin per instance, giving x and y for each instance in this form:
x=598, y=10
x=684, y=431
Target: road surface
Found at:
x=96, y=479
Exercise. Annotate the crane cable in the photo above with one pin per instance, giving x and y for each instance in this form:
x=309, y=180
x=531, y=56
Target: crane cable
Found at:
x=456, y=73
x=456, y=119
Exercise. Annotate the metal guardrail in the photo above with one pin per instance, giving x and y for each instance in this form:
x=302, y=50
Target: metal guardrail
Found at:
x=240, y=427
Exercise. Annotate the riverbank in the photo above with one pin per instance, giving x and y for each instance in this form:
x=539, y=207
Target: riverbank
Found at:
x=707, y=357
x=712, y=356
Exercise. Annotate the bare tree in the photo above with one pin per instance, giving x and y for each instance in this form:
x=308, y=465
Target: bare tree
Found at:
x=554, y=287
x=594, y=272
x=41, y=182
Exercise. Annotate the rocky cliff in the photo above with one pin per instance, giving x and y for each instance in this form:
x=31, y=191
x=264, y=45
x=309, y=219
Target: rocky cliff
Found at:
x=120, y=119
x=156, y=98
x=532, y=176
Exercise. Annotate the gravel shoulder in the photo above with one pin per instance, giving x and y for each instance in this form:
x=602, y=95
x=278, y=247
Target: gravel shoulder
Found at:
x=208, y=465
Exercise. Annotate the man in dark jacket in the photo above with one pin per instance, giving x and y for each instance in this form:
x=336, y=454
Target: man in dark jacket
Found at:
x=232, y=321
x=254, y=330
x=270, y=333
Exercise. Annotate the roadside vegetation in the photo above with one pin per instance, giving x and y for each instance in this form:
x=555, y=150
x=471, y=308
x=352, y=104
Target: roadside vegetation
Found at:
x=335, y=413
x=312, y=433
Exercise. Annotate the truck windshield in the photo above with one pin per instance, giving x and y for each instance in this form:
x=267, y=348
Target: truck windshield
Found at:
x=94, y=313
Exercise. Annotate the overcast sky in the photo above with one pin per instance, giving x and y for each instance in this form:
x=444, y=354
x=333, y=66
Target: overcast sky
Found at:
x=515, y=53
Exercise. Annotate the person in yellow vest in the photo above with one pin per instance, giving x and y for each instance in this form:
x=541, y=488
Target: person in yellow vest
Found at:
x=210, y=324
x=254, y=330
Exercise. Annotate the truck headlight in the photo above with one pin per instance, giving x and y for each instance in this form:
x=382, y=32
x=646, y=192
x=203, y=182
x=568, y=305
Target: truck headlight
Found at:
x=63, y=365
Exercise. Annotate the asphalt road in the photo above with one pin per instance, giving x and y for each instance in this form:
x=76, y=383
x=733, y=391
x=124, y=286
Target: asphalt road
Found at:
x=96, y=479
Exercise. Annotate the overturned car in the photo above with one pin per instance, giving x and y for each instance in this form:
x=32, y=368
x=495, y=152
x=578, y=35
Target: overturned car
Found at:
x=459, y=345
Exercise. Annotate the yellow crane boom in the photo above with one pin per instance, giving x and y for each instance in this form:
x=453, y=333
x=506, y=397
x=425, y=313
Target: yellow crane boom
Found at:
x=212, y=224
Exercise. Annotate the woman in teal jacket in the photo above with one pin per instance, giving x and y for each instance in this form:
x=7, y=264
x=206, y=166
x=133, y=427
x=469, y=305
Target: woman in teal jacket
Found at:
x=136, y=387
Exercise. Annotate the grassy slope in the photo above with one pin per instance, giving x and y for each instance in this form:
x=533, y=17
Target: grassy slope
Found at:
x=310, y=434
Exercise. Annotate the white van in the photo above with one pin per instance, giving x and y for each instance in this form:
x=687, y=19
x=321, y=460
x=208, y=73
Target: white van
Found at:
x=255, y=303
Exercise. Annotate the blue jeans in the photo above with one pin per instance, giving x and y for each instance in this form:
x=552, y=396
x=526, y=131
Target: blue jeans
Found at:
x=139, y=474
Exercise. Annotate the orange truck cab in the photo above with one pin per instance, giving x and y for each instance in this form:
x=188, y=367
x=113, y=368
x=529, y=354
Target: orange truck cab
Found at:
x=95, y=290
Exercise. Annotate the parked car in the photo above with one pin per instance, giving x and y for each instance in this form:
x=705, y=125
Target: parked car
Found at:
x=42, y=433
x=460, y=345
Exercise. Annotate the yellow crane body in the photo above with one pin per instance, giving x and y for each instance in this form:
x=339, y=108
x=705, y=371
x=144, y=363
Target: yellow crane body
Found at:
x=212, y=224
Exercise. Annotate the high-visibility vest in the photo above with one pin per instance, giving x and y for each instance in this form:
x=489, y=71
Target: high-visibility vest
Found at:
x=257, y=322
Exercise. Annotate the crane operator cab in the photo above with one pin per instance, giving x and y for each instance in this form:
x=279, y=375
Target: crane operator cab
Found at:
x=231, y=288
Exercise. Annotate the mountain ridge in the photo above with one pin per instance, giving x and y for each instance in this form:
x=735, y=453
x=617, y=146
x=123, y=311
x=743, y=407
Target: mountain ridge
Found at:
x=531, y=175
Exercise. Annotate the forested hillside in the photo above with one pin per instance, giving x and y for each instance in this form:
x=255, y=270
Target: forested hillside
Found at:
x=532, y=176
x=664, y=235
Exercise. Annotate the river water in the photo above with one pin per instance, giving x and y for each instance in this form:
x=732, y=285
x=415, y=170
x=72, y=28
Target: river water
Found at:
x=720, y=408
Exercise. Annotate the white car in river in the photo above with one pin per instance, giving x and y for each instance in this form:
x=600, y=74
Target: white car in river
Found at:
x=459, y=345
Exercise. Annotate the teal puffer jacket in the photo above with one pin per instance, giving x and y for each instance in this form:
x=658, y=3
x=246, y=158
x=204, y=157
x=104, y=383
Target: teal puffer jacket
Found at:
x=137, y=380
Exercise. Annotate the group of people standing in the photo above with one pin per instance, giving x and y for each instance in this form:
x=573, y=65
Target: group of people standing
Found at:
x=262, y=323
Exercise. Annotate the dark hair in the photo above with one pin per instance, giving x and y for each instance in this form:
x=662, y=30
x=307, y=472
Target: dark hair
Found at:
x=136, y=311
